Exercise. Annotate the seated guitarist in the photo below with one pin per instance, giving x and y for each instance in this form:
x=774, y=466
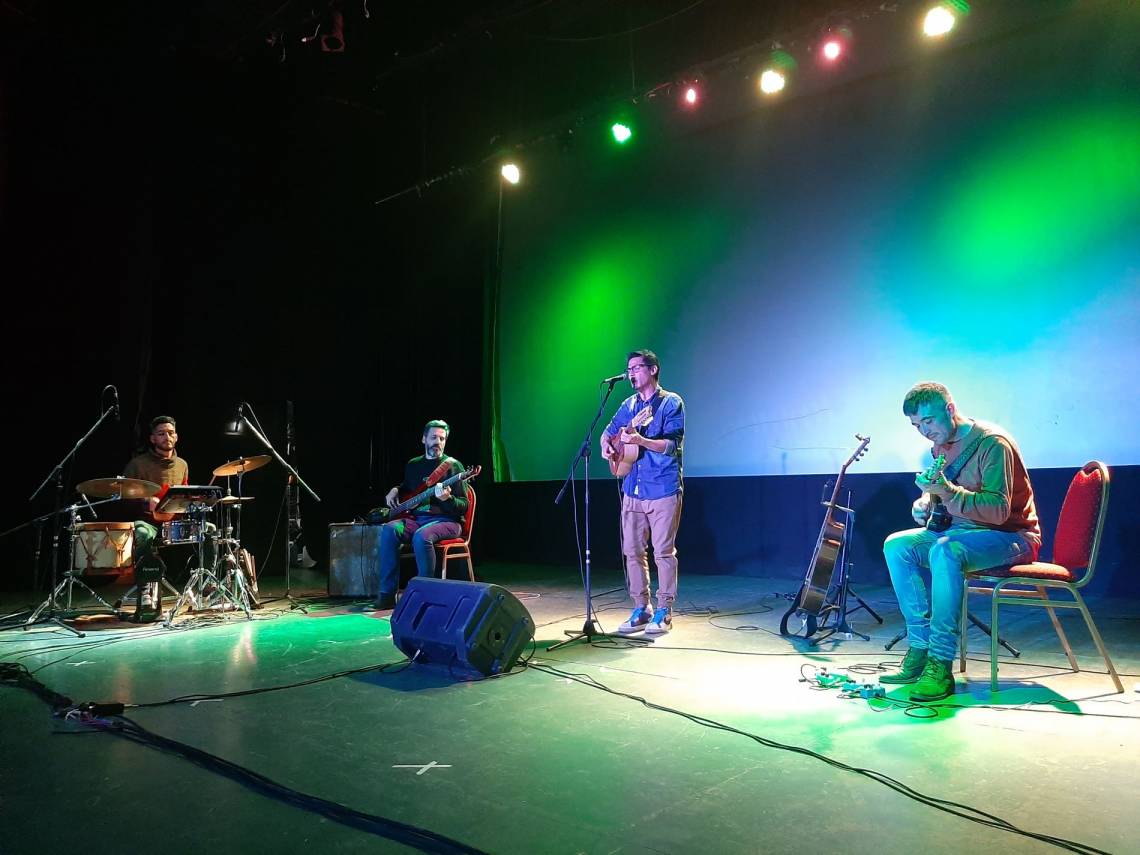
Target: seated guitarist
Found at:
x=992, y=522
x=651, y=491
x=438, y=518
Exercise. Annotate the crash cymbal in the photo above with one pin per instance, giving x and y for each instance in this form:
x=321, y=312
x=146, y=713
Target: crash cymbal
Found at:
x=242, y=465
x=126, y=488
x=233, y=500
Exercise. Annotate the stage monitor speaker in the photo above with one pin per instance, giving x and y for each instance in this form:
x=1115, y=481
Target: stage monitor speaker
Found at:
x=469, y=626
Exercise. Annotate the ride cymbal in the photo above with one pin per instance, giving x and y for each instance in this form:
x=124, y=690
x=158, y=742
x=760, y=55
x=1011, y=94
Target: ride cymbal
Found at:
x=242, y=465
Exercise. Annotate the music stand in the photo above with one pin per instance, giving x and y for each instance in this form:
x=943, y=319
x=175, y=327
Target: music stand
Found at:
x=188, y=498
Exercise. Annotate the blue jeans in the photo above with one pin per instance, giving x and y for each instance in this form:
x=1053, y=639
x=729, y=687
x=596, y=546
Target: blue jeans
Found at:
x=422, y=533
x=915, y=555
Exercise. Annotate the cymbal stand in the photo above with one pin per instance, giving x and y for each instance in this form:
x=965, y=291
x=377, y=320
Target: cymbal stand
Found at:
x=56, y=476
x=241, y=417
x=238, y=575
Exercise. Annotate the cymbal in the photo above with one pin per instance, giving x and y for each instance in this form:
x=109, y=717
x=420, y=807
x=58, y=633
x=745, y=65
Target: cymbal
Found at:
x=242, y=465
x=126, y=488
x=233, y=500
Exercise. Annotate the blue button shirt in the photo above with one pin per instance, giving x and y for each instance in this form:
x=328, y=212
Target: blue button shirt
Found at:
x=655, y=475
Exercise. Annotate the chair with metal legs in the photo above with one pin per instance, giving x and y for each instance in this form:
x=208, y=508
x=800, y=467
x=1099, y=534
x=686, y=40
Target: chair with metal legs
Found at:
x=1076, y=545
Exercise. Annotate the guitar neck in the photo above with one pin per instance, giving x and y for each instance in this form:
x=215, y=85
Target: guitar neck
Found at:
x=833, y=503
x=415, y=500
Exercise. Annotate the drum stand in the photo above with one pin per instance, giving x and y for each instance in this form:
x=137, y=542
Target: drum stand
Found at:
x=49, y=608
x=239, y=576
x=204, y=586
x=234, y=585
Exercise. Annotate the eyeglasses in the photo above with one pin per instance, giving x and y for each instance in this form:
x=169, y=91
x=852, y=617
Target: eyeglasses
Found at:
x=634, y=368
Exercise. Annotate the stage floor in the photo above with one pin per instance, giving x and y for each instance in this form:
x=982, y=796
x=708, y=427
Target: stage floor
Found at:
x=705, y=740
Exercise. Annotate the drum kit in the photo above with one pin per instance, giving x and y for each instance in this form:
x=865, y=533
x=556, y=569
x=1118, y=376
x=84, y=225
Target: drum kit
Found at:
x=222, y=577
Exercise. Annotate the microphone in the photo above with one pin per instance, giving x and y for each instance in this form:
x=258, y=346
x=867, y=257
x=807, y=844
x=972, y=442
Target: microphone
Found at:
x=617, y=378
x=234, y=428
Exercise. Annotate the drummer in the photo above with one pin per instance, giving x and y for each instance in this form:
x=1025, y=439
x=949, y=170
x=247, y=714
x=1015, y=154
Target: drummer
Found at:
x=160, y=464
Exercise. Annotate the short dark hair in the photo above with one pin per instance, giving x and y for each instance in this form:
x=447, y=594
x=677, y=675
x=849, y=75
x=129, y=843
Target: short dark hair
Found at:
x=438, y=423
x=926, y=392
x=649, y=357
x=162, y=420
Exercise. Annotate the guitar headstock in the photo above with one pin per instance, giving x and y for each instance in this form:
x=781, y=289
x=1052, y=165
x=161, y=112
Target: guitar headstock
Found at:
x=857, y=454
x=471, y=472
x=934, y=471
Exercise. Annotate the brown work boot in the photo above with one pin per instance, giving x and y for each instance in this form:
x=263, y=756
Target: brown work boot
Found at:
x=910, y=669
x=936, y=682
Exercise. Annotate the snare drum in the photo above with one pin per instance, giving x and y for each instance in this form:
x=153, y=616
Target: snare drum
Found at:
x=103, y=548
x=182, y=530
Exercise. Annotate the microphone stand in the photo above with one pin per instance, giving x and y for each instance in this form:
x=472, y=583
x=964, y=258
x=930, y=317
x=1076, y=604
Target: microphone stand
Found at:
x=293, y=604
x=48, y=611
x=589, y=629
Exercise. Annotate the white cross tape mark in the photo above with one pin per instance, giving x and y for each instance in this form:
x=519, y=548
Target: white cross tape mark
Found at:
x=423, y=767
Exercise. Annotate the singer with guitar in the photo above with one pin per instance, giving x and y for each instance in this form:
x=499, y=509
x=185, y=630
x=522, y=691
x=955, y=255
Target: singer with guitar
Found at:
x=437, y=518
x=643, y=444
x=976, y=512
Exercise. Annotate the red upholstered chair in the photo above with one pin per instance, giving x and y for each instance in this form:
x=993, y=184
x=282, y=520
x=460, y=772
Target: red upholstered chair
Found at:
x=454, y=547
x=1076, y=544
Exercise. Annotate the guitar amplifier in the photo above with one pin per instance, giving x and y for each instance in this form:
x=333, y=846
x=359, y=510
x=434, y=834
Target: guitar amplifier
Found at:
x=354, y=560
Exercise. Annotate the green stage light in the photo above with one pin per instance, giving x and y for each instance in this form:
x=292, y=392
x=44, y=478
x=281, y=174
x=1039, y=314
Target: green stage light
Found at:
x=621, y=132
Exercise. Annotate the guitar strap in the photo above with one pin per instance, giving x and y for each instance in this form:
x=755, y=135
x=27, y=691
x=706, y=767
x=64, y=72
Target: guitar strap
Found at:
x=950, y=473
x=437, y=474
x=654, y=404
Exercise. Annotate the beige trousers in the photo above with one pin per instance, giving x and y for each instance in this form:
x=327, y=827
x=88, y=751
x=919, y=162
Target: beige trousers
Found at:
x=655, y=521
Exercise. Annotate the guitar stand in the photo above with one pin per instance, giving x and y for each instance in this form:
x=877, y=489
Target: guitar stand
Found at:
x=840, y=608
x=976, y=621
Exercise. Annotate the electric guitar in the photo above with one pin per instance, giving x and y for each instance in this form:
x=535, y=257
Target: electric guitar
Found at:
x=813, y=595
x=405, y=508
x=937, y=517
x=626, y=453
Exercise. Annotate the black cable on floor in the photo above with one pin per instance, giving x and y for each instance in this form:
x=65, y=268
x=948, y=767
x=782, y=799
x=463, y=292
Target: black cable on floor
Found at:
x=18, y=676
x=947, y=806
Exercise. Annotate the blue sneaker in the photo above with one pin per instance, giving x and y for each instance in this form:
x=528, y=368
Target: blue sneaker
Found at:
x=638, y=621
x=661, y=623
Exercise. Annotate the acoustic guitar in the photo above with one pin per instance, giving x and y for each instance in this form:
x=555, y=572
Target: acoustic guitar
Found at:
x=937, y=516
x=405, y=508
x=812, y=598
x=626, y=453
